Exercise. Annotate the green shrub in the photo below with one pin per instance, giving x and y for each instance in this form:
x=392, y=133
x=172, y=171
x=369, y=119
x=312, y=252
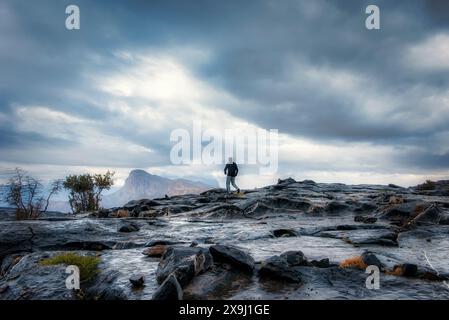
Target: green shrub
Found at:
x=88, y=265
x=85, y=190
x=428, y=185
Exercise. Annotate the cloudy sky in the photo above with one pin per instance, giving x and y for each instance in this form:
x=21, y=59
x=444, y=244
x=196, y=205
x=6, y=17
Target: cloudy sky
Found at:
x=351, y=105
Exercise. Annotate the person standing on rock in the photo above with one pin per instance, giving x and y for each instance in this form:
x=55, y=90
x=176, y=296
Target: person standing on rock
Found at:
x=231, y=170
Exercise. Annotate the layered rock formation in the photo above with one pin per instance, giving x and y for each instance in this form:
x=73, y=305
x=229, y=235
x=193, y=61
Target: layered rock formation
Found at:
x=295, y=240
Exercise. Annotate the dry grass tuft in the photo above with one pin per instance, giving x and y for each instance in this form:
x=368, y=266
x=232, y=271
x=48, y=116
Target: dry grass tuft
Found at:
x=397, y=271
x=88, y=265
x=354, y=262
x=396, y=200
x=122, y=213
x=428, y=185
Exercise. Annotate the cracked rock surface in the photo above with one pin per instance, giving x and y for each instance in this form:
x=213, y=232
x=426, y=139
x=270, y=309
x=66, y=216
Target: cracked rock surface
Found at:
x=285, y=241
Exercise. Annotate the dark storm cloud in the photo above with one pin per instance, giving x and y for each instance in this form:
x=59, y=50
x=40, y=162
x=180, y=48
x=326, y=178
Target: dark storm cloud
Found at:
x=307, y=68
x=258, y=69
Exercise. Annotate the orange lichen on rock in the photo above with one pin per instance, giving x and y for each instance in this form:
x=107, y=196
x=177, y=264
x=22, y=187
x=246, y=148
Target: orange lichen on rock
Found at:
x=122, y=213
x=155, y=251
x=397, y=271
x=356, y=262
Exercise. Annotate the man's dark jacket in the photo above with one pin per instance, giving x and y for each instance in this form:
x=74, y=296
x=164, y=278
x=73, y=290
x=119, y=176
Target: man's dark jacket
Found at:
x=231, y=169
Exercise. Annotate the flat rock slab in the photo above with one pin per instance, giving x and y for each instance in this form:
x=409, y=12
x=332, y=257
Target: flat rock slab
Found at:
x=170, y=289
x=234, y=256
x=184, y=262
x=277, y=268
x=384, y=237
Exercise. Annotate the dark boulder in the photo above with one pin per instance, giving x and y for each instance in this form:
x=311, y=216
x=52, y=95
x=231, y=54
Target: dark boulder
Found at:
x=193, y=244
x=30, y=280
x=103, y=213
x=370, y=259
x=284, y=233
x=136, y=212
x=170, y=289
x=294, y=258
x=233, y=256
x=131, y=205
x=184, y=263
x=323, y=263
x=407, y=269
x=137, y=281
x=278, y=268
x=104, y=287
x=126, y=226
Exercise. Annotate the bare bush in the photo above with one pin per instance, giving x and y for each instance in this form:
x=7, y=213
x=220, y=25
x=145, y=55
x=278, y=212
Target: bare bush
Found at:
x=28, y=195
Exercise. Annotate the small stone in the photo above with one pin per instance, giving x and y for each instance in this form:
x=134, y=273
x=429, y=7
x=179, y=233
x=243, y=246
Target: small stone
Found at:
x=284, y=233
x=128, y=227
x=193, y=244
x=155, y=251
x=323, y=263
x=137, y=281
x=294, y=258
x=370, y=259
x=408, y=269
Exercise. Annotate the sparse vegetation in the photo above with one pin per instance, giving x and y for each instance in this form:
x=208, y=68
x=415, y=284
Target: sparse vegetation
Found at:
x=27, y=194
x=397, y=271
x=356, y=262
x=420, y=208
x=85, y=190
x=396, y=200
x=428, y=185
x=88, y=265
x=121, y=213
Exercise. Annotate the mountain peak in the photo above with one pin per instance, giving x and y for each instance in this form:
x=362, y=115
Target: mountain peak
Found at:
x=139, y=172
x=140, y=185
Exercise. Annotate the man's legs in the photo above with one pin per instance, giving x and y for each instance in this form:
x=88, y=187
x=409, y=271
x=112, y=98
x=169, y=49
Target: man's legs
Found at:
x=228, y=182
x=233, y=183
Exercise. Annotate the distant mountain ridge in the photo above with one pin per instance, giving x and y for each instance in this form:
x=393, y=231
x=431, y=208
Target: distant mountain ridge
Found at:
x=143, y=185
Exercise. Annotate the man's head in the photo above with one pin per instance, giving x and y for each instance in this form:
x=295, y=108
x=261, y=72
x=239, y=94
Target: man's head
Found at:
x=230, y=160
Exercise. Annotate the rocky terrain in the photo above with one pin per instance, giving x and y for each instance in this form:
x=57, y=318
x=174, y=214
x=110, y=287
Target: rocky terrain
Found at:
x=292, y=240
